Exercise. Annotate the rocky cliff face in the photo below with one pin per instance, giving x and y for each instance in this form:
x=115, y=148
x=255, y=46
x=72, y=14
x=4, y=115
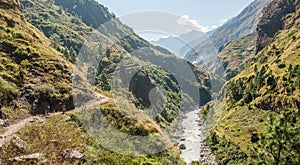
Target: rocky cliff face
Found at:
x=274, y=19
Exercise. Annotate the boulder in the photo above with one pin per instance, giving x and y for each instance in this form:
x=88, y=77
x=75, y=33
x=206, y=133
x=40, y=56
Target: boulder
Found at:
x=19, y=143
x=72, y=155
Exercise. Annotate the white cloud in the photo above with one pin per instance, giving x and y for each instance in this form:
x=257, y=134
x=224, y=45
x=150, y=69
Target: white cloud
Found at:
x=224, y=21
x=191, y=24
x=214, y=27
x=152, y=36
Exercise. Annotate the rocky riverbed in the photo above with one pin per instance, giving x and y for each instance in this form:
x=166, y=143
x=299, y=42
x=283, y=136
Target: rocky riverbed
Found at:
x=190, y=134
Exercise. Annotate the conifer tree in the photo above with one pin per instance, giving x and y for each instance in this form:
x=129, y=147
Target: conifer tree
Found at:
x=279, y=143
x=72, y=55
x=103, y=81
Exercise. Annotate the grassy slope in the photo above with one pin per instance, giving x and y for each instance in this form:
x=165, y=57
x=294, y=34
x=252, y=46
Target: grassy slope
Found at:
x=65, y=30
x=269, y=91
x=52, y=20
x=47, y=64
x=235, y=55
x=28, y=62
x=56, y=135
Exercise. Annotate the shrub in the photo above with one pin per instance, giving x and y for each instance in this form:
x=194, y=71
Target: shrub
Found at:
x=281, y=66
x=8, y=91
x=279, y=144
x=226, y=152
x=294, y=38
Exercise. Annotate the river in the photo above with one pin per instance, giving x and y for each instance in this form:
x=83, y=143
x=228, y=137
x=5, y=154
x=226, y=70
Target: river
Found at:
x=190, y=134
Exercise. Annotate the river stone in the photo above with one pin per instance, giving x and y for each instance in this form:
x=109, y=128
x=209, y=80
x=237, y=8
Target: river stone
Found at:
x=182, y=147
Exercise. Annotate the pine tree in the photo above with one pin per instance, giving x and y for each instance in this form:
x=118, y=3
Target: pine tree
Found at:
x=103, y=81
x=72, y=55
x=255, y=69
x=290, y=68
x=66, y=53
x=278, y=144
x=23, y=70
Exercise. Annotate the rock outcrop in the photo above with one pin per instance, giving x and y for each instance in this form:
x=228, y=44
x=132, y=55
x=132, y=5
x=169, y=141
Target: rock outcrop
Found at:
x=274, y=19
x=19, y=143
x=32, y=158
x=72, y=155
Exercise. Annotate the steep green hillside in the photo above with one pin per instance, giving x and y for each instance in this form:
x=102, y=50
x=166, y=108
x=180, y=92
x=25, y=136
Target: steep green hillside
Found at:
x=67, y=32
x=234, y=56
x=97, y=16
x=32, y=74
x=267, y=86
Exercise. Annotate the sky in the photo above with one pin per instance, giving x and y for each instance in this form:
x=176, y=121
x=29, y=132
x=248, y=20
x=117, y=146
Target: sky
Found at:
x=202, y=15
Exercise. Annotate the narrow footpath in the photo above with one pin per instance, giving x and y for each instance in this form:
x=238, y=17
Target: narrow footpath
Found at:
x=14, y=128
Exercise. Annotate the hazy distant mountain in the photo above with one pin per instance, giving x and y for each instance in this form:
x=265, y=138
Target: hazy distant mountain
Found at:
x=243, y=24
x=182, y=44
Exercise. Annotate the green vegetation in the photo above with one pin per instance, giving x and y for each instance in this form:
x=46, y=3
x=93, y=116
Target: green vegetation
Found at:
x=235, y=56
x=88, y=10
x=145, y=81
x=103, y=81
x=66, y=31
x=31, y=72
x=56, y=135
x=37, y=71
x=279, y=144
x=226, y=151
x=107, y=59
x=268, y=84
x=97, y=16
